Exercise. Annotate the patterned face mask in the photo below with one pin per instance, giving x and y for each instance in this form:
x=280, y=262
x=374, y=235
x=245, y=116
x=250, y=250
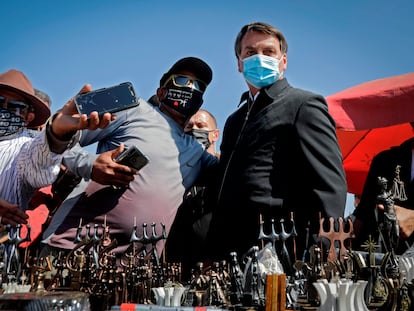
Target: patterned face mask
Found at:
x=10, y=123
x=185, y=100
x=201, y=136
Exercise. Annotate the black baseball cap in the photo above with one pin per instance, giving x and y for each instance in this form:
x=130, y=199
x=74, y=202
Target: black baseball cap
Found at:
x=200, y=69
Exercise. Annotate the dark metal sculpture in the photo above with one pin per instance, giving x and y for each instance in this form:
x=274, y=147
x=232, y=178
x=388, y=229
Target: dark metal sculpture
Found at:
x=390, y=230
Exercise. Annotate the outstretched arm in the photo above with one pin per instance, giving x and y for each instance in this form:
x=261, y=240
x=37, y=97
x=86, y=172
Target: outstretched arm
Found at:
x=68, y=120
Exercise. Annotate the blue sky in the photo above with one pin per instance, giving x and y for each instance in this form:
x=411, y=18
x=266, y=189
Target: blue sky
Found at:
x=333, y=45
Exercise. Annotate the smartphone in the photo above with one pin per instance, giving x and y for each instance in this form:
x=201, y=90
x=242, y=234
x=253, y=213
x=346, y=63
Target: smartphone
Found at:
x=132, y=157
x=110, y=99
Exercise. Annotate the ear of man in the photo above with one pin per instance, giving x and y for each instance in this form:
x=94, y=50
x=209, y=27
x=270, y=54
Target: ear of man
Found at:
x=161, y=93
x=30, y=117
x=214, y=135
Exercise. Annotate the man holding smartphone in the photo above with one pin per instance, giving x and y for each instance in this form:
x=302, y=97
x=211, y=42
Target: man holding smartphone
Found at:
x=31, y=159
x=155, y=193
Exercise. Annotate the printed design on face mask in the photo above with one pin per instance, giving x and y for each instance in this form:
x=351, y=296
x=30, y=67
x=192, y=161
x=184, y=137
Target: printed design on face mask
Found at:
x=180, y=96
x=10, y=123
x=261, y=70
x=185, y=100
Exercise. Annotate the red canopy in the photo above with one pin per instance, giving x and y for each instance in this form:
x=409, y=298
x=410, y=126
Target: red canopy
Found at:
x=371, y=117
x=359, y=147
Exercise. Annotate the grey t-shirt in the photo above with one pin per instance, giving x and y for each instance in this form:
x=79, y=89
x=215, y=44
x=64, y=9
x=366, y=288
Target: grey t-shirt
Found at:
x=176, y=160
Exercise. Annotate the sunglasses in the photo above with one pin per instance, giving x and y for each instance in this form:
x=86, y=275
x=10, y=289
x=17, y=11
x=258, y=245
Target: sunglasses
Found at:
x=181, y=80
x=12, y=103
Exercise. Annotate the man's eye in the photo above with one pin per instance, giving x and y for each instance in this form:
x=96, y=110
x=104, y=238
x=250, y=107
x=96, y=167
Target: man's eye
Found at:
x=270, y=53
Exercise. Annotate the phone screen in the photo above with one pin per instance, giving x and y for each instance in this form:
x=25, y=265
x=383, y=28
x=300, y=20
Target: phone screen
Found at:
x=111, y=99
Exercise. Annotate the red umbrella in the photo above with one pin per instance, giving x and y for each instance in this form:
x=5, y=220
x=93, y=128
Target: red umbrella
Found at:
x=371, y=117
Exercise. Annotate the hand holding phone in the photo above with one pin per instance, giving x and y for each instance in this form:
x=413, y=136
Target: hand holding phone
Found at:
x=111, y=99
x=132, y=157
x=67, y=119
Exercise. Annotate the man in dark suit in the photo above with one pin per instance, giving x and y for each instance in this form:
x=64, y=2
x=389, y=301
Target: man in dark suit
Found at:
x=395, y=165
x=279, y=153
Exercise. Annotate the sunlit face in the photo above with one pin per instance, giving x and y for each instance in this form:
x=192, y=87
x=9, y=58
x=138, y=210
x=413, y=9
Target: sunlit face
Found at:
x=200, y=121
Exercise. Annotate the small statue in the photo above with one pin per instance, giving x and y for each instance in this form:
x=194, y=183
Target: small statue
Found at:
x=199, y=284
x=390, y=229
x=237, y=280
x=398, y=187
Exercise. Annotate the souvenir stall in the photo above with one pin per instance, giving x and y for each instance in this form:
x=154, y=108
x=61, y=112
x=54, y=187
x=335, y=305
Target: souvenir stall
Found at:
x=332, y=276
x=91, y=278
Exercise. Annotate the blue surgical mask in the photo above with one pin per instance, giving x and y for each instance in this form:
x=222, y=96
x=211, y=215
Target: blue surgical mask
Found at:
x=261, y=70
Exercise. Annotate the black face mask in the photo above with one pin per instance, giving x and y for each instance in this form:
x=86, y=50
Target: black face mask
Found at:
x=201, y=136
x=185, y=100
x=10, y=123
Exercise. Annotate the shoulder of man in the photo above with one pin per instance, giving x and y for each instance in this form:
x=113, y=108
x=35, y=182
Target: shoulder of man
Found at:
x=395, y=152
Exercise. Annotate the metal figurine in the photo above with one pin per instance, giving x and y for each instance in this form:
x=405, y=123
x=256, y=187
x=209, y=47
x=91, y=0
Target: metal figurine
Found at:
x=12, y=252
x=282, y=236
x=285, y=257
x=333, y=236
x=307, y=246
x=144, y=240
x=317, y=272
x=398, y=188
x=134, y=236
x=84, y=244
x=224, y=274
x=386, y=287
x=154, y=240
x=199, y=285
x=130, y=257
x=132, y=274
x=105, y=250
x=106, y=239
x=254, y=285
x=96, y=242
x=404, y=300
x=78, y=236
x=78, y=260
x=370, y=246
x=60, y=280
x=38, y=267
x=272, y=237
x=236, y=280
x=390, y=230
x=293, y=234
x=134, y=254
x=122, y=288
x=216, y=287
